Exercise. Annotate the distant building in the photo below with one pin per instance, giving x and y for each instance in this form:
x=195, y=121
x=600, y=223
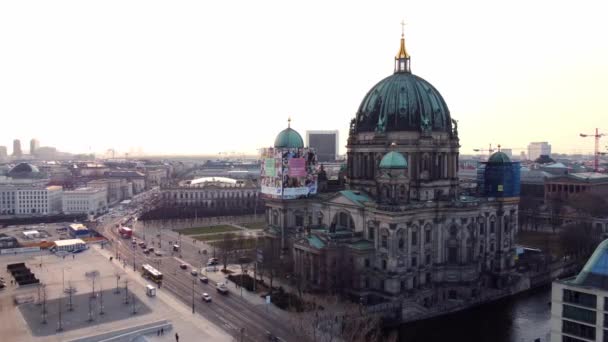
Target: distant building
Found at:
x=90, y=201
x=34, y=145
x=17, y=148
x=536, y=149
x=155, y=176
x=29, y=198
x=211, y=193
x=114, y=188
x=8, y=241
x=579, y=304
x=3, y=153
x=136, y=179
x=46, y=152
x=78, y=230
x=325, y=144
x=566, y=186
x=70, y=245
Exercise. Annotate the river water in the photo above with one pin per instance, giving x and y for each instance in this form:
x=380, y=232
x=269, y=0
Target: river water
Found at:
x=522, y=318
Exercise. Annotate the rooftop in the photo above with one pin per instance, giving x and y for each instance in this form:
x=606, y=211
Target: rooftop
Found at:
x=595, y=272
x=61, y=243
x=356, y=196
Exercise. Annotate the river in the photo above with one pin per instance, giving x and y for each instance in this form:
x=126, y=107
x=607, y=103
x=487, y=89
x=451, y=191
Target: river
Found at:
x=521, y=318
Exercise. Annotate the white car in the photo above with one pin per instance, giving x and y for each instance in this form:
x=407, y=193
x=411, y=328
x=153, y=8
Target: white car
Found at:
x=206, y=297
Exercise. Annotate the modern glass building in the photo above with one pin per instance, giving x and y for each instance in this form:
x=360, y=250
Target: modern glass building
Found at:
x=325, y=144
x=579, y=305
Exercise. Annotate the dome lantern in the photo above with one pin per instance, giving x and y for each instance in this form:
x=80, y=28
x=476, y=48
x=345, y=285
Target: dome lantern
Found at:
x=402, y=59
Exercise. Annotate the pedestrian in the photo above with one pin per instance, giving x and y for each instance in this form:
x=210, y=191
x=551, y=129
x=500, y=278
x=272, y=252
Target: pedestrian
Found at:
x=73, y=256
x=162, y=331
x=176, y=337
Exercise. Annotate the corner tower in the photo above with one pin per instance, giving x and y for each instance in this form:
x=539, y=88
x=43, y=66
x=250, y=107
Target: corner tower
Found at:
x=407, y=110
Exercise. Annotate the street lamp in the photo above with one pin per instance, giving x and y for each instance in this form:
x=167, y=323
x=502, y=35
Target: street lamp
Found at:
x=193, y=282
x=63, y=276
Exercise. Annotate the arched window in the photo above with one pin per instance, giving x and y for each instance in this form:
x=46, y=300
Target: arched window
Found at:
x=343, y=220
x=275, y=218
x=401, y=240
x=384, y=238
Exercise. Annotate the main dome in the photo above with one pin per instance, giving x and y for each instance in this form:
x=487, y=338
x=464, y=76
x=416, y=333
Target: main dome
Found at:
x=403, y=102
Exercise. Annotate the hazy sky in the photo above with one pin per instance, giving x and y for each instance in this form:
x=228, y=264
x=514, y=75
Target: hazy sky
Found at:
x=208, y=76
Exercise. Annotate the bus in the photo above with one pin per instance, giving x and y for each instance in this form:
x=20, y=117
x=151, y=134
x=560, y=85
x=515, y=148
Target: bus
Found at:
x=151, y=273
x=125, y=232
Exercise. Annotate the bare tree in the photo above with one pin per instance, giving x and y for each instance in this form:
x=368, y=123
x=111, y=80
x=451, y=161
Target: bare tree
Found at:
x=227, y=246
x=336, y=321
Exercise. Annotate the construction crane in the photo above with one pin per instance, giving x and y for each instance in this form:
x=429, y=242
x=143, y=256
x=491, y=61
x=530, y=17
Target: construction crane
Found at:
x=596, y=153
x=490, y=149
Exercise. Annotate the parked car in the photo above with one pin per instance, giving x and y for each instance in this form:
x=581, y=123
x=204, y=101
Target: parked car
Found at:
x=183, y=266
x=203, y=279
x=158, y=253
x=206, y=297
x=194, y=272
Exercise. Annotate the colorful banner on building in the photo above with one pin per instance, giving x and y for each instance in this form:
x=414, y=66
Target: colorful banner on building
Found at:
x=297, y=167
x=269, y=167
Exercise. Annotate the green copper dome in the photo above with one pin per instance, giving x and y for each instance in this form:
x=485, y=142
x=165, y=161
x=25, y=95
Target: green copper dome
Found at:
x=403, y=102
x=393, y=160
x=499, y=158
x=289, y=138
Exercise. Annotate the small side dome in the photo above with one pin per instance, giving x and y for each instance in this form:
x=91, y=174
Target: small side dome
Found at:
x=289, y=138
x=499, y=158
x=393, y=160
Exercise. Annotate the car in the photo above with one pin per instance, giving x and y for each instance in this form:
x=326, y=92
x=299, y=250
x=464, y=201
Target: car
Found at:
x=212, y=262
x=158, y=253
x=194, y=272
x=146, y=251
x=151, y=249
x=203, y=279
x=206, y=297
x=183, y=266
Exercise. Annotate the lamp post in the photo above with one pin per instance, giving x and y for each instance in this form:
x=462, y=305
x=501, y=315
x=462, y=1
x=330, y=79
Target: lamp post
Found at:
x=193, y=282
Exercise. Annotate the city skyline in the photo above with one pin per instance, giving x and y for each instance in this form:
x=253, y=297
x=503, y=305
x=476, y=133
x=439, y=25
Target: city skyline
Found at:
x=194, y=79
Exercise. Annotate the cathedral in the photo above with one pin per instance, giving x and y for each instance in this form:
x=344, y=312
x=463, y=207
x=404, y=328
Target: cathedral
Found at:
x=398, y=230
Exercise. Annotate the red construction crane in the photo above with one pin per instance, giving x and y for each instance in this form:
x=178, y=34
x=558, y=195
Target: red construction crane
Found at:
x=597, y=137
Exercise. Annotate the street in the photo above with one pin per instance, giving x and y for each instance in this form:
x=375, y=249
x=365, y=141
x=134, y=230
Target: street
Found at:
x=243, y=320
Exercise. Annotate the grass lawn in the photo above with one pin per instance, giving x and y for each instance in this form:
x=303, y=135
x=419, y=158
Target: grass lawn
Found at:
x=254, y=225
x=543, y=240
x=223, y=228
x=210, y=237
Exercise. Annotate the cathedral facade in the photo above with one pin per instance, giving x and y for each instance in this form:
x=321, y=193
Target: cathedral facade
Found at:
x=400, y=229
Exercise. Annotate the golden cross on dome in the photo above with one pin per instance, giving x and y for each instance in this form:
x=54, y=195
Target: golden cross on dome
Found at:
x=289, y=122
x=402, y=28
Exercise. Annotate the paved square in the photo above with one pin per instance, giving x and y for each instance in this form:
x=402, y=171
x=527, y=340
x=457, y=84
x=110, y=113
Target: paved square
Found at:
x=114, y=308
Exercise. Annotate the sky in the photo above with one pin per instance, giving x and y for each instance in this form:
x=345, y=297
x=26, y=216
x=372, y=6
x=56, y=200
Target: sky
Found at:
x=203, y=77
